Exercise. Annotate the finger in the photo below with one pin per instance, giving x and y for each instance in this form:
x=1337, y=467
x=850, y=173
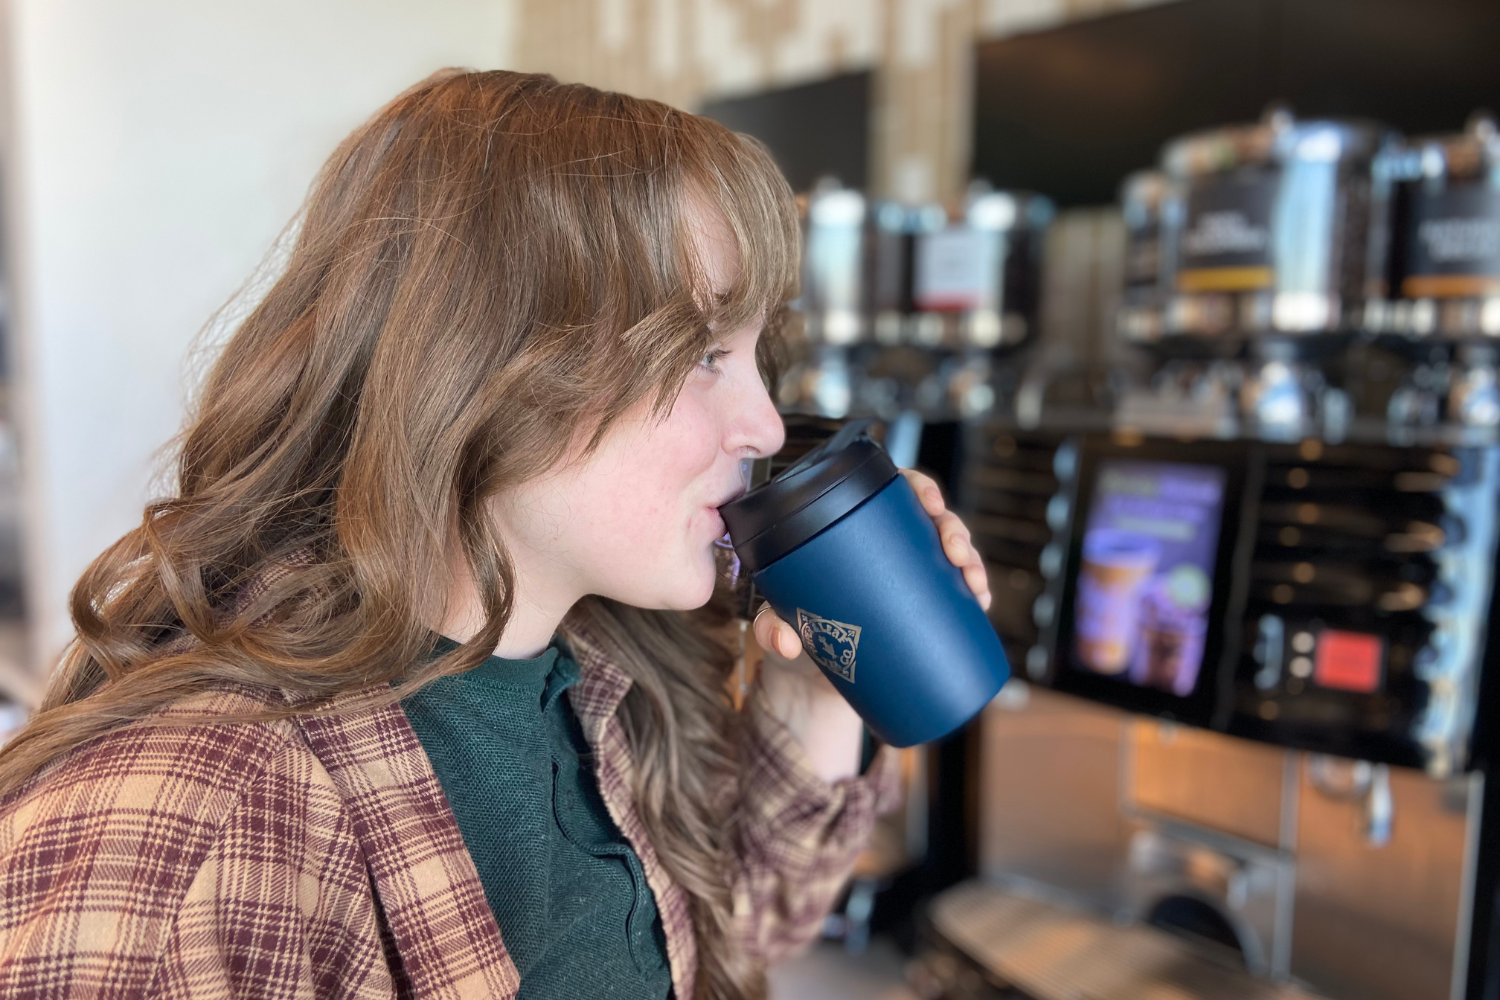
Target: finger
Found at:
x=926, y=489
x=765, y=627
x=958, y=550
x=763, y=623
x=774, y=634
x=787, y=642
x=949, y=525
x=978, y=581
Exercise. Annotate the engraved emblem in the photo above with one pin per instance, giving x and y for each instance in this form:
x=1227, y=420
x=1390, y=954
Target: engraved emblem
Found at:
x=831, y=644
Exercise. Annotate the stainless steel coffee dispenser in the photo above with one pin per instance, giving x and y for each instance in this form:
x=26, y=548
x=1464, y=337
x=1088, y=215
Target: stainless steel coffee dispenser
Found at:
x=976, y=280
x=1139, y=318
x=1267, y=227
x=975, y=292
x=1441, y=269
x=1434, y=298
x=833, y=301
x=1265, y=255
x=904, y=309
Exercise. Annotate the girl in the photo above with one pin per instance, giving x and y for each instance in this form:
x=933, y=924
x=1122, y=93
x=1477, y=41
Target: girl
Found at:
x=418, y=686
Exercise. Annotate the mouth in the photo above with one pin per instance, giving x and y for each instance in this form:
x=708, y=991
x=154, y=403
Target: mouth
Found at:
x=719, y=528
x=730, y=497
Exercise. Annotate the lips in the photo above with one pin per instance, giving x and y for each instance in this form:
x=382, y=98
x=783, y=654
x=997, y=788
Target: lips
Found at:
x=734, y=494
x=721, y=530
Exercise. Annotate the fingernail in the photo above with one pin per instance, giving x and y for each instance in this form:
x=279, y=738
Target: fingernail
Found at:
x=986, y=601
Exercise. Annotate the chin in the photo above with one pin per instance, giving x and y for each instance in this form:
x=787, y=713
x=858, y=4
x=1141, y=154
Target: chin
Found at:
x=676, y=588
x=696, y=586
x=693, y=594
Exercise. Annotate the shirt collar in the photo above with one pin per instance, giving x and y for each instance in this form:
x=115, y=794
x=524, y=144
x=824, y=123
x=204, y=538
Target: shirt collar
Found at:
x=602, y=685
x=546, y=676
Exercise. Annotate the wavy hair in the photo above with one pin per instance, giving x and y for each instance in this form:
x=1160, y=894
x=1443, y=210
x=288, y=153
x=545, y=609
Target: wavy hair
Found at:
x=492, y=265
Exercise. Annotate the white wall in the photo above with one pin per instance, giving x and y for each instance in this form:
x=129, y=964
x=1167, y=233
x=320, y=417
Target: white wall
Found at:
x=154, y=149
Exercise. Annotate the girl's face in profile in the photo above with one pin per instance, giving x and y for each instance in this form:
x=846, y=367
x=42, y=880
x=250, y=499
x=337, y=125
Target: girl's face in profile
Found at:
x=636, y=521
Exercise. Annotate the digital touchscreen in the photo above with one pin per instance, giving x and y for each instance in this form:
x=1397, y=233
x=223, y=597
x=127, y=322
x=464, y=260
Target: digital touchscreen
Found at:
x=1145, y=579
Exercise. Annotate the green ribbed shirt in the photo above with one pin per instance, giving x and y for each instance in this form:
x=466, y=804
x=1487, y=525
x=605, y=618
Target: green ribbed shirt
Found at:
x=566, y=888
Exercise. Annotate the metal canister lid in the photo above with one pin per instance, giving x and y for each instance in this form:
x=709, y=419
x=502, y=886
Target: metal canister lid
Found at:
x=1276, y=138
x=1472, y=154
x=1141, y=194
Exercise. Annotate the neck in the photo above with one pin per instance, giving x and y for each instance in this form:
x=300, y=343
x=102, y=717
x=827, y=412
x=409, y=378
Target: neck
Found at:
x=542, y=599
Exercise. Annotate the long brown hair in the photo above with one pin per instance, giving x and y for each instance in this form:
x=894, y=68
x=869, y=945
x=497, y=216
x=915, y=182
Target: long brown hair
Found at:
x=491, y=265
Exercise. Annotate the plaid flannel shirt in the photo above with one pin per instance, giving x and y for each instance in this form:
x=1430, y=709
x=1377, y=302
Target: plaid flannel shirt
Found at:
x=317, y=857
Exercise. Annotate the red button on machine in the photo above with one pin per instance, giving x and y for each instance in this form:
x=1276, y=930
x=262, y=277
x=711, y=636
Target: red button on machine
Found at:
x=1348, y=661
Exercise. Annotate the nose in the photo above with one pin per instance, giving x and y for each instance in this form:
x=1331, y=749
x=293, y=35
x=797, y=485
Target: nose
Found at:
x=755, y=428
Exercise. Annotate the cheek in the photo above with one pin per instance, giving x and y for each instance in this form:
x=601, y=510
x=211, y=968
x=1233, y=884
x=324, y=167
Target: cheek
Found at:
x=661, y=477
x=676, y=461
x=634, y=521
x=692, y=436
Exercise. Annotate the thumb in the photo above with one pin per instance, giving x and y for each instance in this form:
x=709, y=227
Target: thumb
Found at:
x=774, y=634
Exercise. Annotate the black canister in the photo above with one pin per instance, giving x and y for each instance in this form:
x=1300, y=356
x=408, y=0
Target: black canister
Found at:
x=1441, y=200
x=1265, y=231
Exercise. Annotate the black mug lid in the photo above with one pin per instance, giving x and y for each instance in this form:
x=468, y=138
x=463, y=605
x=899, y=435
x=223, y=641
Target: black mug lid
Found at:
x=811, y=494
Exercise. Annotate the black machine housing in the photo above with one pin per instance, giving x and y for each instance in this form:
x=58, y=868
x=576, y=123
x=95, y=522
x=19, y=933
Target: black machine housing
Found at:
x=1353, y=596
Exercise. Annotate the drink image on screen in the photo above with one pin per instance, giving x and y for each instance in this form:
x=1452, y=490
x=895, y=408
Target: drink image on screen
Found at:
x=1115, y=566
x=1173, y=622
x=1145, y=575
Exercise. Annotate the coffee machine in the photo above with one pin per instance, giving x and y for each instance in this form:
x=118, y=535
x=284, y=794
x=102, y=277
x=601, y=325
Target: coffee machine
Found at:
x=1254, y=599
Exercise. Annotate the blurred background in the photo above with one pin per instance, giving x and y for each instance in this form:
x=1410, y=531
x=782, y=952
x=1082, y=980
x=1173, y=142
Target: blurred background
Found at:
x=1192, y=306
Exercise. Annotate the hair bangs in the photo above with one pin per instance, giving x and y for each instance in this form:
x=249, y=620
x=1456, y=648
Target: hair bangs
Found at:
x=733, y=176
x=758, y=206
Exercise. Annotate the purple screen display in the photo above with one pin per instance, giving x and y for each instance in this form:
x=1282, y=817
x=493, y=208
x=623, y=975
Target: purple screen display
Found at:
x=1145, y=580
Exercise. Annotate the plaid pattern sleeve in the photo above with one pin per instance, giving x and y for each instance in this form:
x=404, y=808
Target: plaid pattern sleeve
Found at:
x=177, y=862
x=309, y=859
x=437, y=920
x=798, y=834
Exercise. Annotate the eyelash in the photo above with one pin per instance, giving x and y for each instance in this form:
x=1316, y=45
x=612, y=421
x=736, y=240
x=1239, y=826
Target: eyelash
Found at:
x=711, y=359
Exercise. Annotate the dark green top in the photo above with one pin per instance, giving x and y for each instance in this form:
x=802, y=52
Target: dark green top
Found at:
x=566, y=888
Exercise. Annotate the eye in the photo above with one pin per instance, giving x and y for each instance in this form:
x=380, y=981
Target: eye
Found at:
x=711, y=359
